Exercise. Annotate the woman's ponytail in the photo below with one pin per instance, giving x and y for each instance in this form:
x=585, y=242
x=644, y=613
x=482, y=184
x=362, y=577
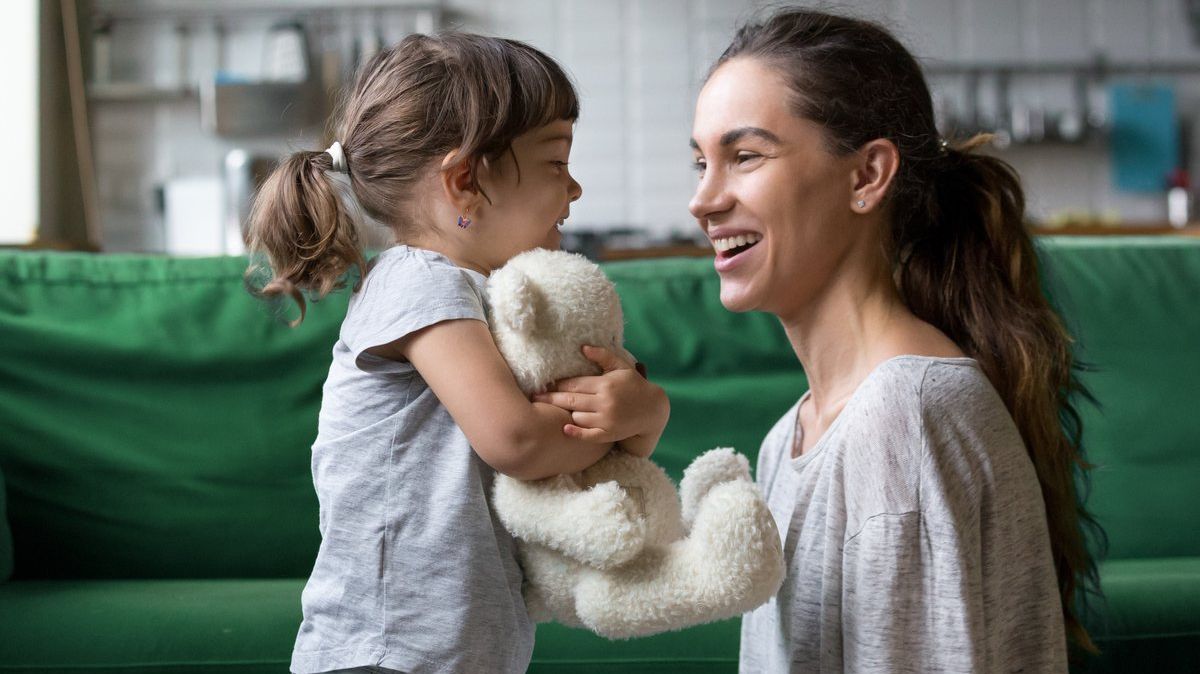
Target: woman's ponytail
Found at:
x=967, y=264
x=300, y=224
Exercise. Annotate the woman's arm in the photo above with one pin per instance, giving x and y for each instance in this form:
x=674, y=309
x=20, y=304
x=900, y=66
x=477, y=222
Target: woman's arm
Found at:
x=460, y=362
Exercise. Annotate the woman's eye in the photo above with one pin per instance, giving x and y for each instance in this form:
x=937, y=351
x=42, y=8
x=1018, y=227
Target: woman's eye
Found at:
x=699, y=165
x=743, y=157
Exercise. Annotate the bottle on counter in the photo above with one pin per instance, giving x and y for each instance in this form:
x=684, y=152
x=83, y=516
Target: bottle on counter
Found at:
x=1179, y=198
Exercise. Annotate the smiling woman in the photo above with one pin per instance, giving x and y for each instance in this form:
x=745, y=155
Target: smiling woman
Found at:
x=924, y=482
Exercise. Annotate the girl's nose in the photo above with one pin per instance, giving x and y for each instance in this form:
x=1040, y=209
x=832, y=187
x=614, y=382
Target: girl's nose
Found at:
x=575, y=190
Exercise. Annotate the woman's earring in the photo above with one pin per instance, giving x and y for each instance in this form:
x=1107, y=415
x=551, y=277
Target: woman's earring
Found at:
x=861, y=203
x=464, y=221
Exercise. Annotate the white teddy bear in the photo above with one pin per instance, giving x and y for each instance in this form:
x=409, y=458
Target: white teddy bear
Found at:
x=613, y=548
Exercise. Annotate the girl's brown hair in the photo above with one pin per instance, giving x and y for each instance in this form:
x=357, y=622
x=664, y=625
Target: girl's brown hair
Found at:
x=410, y=104
x=962, y=257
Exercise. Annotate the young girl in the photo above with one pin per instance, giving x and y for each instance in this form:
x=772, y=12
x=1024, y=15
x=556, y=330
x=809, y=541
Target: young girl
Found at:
x=925, y=484
x=459, y=144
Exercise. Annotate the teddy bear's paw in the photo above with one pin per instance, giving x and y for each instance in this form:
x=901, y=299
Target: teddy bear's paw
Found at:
x=667, y=588
x=731, y=563
x=740, y=541
x=608, y=528
x=710, y=469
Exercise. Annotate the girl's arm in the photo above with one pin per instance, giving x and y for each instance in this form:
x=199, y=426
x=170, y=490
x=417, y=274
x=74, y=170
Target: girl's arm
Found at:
x=620, y=405
x=460, y=362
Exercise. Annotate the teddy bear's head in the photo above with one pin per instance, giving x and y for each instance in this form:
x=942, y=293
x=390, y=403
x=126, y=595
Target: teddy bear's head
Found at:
x=543, y=306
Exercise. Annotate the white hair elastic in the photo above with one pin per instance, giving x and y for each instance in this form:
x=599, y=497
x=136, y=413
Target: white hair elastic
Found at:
x=339, y=157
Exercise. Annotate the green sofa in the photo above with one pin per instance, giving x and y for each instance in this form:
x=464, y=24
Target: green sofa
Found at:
x=155, y=424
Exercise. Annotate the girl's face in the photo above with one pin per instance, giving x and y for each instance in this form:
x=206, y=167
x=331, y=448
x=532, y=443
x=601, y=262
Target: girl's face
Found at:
x=531, y=190
x=774, y=202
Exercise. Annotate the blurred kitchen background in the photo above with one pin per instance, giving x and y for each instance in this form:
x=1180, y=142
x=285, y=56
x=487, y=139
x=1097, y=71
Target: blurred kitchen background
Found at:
x=145, y=125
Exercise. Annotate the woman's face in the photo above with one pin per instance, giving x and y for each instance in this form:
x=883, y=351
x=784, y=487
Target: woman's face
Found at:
x=773, y=200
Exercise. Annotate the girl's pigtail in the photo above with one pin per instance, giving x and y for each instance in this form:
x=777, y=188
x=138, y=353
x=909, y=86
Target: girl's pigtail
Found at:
x=300, y=224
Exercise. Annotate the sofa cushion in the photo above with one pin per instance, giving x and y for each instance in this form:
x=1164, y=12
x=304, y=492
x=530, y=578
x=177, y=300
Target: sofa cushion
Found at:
x=1149, y=619
x=120, y=626
x=158, y=625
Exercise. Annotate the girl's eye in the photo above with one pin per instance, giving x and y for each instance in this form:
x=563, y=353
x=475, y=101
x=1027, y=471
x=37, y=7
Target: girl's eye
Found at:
x=699, y=165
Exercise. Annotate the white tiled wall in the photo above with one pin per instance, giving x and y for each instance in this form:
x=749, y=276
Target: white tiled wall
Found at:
x=639, y=65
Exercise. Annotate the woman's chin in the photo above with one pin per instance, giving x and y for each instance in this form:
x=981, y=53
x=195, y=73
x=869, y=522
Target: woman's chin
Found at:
x=734, y=297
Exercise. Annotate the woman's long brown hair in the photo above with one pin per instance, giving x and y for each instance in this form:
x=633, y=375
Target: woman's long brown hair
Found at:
x=962, y=256
x=410, y=104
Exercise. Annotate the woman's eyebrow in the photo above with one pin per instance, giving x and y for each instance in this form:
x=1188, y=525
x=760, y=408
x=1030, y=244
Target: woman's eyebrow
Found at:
x=733, y=135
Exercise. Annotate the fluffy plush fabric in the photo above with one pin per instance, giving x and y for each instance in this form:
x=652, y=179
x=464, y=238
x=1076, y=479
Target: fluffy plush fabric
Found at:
x=614, y=548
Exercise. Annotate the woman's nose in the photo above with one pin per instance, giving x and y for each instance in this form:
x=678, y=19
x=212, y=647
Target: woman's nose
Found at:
x=711, y=197
x=575, y=190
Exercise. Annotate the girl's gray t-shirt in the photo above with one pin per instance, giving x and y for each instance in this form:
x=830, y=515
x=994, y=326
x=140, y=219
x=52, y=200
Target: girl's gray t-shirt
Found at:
x=914, y=532
x=414, y=572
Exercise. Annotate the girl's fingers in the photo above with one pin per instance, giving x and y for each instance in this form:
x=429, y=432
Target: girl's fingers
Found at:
x=588, y=434
x=568, y=400
x=606, y=359
x=578, y=384
x=585, y=419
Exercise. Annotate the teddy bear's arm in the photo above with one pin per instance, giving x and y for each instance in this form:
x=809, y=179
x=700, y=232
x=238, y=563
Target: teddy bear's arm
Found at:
x=601, y=527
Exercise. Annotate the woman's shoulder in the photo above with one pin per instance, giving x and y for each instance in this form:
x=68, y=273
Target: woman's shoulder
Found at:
x=886, y=424
x=916, y=386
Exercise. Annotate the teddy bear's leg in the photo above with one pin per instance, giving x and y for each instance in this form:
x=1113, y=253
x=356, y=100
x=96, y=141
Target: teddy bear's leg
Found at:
x=549, y=587
x=731, y=563
x=647, y=483
x=707, y=471
x=601, y=526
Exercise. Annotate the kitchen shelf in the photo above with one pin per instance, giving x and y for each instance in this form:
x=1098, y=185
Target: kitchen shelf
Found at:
x=139, y=93
x=193, y=10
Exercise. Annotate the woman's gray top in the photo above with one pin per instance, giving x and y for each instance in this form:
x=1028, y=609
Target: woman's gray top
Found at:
x=914, y=532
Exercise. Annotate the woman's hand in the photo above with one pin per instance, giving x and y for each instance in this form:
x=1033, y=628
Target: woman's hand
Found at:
x=619, y=405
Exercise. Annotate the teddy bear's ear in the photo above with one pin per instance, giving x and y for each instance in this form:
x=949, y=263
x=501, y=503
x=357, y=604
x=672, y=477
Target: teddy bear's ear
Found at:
x=516, y=301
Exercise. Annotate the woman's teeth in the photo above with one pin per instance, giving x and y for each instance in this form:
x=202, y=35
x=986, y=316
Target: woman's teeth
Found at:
x=729, y=243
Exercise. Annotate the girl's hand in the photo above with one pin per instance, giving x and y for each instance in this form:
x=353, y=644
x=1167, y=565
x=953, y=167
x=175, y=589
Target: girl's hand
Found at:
x=619, y=405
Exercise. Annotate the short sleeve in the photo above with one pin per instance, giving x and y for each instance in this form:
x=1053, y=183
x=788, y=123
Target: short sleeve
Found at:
x=407, y=290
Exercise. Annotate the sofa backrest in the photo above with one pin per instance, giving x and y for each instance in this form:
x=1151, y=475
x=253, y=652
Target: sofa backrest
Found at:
x=155, y=420
x=1133, y=305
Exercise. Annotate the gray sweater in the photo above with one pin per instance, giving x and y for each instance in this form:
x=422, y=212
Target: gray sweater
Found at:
x=914, y=532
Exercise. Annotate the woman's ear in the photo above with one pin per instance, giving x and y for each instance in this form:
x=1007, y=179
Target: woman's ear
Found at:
x=877, y=163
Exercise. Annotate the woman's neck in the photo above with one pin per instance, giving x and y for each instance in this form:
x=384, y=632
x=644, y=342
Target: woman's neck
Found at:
x=847, y=332
x=840, y=338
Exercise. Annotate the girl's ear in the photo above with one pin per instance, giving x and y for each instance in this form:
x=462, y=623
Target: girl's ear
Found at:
x=458, y=183
x=875, y=168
